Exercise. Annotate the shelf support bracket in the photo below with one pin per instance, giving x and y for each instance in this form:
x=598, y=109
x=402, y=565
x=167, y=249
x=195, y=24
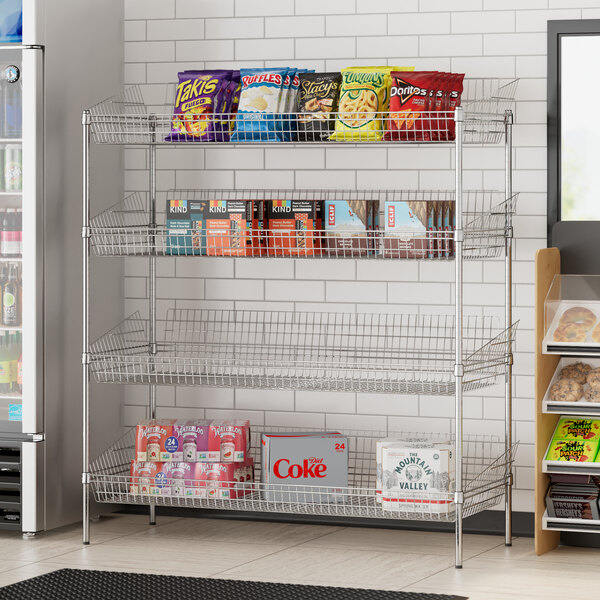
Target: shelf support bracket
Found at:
x=459, y=235
x=86, y=478
x=85, y=358
x=459, y=498
x=85, y=233
x=459, y=370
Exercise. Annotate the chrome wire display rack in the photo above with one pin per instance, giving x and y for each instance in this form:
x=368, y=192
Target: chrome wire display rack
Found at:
x=342, y=352
x=486, y=463
x=398, y=354
x=144, y=115
x=428, y=232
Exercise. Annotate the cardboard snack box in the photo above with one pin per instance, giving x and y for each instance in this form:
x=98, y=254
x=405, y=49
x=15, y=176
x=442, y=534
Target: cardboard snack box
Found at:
x=577, y=428
x=348, y=227
x=572, y=450
x=290, y=226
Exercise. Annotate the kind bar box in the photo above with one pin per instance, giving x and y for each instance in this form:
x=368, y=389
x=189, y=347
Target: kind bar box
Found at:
x=572, y=450
x=577, y=428
x=228, y=441
x=304, y=467
x=348, y=226
x=229, y=225
x=291, y=227
x=186, y=232
x=156, y=440
x=224, y=480
x=193, y=434
x=573, y=502
x=418, y=479
x=409, y=230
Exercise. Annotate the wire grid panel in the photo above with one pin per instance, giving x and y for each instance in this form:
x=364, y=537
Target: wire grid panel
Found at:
x=145, y=116
x=382, y=224
x=486, y=465
x=387, y=353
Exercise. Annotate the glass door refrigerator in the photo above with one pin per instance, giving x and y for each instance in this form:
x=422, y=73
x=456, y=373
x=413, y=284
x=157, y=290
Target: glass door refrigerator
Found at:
x=44, y=83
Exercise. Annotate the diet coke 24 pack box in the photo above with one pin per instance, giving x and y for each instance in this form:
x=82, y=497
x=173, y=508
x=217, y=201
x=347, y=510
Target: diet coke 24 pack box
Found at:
x=304, y=467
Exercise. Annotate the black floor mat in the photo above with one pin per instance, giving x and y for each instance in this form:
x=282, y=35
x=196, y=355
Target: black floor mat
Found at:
x=74, y=584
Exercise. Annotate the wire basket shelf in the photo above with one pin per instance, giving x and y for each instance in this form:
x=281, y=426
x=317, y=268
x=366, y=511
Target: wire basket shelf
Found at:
x=144, y=115
x=486, y=466
x=372, y=232
x=387, y=353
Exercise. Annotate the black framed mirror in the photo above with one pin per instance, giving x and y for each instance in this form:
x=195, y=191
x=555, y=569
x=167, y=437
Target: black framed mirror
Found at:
x=574, y=143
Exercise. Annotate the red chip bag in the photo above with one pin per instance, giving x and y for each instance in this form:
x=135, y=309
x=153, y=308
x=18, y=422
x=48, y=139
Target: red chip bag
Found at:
x=455, y=89
x=438, y=119
x=409, y=102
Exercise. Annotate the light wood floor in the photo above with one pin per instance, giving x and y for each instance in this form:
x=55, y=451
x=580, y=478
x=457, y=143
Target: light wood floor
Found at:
x=337, y=556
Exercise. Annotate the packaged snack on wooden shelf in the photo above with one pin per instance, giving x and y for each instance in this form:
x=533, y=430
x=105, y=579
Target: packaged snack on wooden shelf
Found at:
x=577, y=428
x=348, y=227
x=290, y=226
x=572, y=450
x=573, y=502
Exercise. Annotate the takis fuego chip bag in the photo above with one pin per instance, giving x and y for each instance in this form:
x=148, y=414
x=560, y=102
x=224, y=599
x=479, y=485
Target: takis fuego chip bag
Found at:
x=409, y=105
x=364, y=100
x=197, y=100
x=259, y=104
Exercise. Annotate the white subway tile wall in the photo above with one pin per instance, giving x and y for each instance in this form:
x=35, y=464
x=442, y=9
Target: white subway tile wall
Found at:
x=483, y=38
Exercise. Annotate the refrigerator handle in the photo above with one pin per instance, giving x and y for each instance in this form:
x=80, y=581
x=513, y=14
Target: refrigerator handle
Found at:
x=33, y=239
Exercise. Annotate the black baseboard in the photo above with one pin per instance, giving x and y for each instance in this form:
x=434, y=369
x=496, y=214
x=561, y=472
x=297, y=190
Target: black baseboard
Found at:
x=488, y=522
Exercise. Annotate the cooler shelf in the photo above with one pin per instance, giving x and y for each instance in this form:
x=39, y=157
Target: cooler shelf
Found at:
x=389, y=353
x=486, y=463
x=143, y=115
x=124, y=230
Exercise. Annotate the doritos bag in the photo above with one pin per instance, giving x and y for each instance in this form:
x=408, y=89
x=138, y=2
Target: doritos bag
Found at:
x=408, y=118
x=455, y=89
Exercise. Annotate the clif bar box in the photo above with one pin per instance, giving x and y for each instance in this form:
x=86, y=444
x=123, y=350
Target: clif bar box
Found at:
x=348, y=227
x=291, y=227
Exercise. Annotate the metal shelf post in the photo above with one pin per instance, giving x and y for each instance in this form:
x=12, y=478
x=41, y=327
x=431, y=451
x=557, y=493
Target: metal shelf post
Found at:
x=459, y=368
x=152, y=281
x=508, y=119
x=85, y=238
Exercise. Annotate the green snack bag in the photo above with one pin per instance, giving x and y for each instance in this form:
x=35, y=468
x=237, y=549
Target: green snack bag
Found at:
x=577, y=428
x=572, y=450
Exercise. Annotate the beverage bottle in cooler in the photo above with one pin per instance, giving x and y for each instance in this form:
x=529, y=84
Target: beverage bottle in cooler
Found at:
x=19, y=231
x=20, y=370
x=5, y=366
x=12, y=100
x=9, y=237
x=14, y=351
x=3, y=280
x=10, y=299
x=13, y=177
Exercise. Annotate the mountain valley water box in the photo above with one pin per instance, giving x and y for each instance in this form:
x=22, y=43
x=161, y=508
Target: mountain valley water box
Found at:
x=379, y=444
x=294, y=464
x=156, y=441
x=411, y=474
x=228, y=441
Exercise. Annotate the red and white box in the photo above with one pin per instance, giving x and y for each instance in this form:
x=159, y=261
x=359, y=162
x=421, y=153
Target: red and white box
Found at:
x=304, y=467
x=157, y=441
x=228, y=441
x=143, y=477
x=224, y=480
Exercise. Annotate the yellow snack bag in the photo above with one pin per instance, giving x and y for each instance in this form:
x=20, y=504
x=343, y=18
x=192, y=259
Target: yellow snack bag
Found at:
x=364, y=102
